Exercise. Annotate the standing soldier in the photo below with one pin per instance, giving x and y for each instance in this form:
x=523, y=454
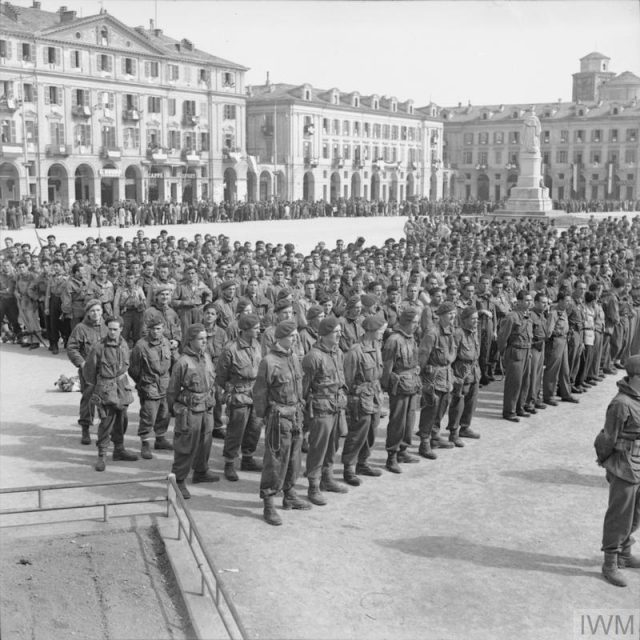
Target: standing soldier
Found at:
x=575, y=341
x=401, y=379
x=466, y=372
x=540, y=328
x=487, y=324
x=105, y=372
x=216, y=341
x=84, y=336
x=191, y=397
x=161, y=311
x=150, y=369
x=130, y=302
x=74, y=296
x=57, y=324
x=618, y=451
x=352, y=330
x=279, y=402
x=362, y=371
x=189, y=297
x=324, y=393
x=237, y=370
x=514, y=345
x=437, y=354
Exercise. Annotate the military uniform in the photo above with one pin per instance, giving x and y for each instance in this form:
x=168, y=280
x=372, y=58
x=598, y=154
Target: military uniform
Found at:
x=540, y=328
x=556, y=370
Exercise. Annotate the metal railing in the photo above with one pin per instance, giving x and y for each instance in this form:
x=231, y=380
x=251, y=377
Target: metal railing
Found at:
x=209, y=579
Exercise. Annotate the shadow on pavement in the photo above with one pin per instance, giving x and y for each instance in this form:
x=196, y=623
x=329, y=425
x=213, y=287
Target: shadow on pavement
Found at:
x=558, y=475
x=237, y=508
x=459, y=549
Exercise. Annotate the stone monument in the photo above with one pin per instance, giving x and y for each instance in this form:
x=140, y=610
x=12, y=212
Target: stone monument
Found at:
x=529, y=197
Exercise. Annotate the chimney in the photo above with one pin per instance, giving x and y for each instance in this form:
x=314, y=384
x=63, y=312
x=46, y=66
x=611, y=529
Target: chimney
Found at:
x=36, y=4
x=67, y=16
x=268, y=82
x=62, y=9
x=157, y=32
x=151, y=25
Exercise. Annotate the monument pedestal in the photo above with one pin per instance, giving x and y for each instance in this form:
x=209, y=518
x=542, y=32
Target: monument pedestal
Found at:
x=528, y=198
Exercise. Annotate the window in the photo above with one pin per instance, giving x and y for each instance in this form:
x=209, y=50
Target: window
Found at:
x=514, y=137
x=130, y=102
x=174, y=139
x=228, y=79
x=345, y=128
x=335, y=127
x=204, y=140
x=335, y=151
x=403, y=133
x=154, y=104
x=28, y=92
x=80, y=97
x=189, y=140
x=229, y=112
x=356, y=101
x=105, y=63
x=203, y=109
x=107, y=100
x=325, y=126
x=596, y=135
x=53, y=95
x=189, y=108
x=7, y=131
x=173, y=72
x=564, y=136
x=375, y=103
x=561, y=157
x=385, y=131
x=52, y=55
x=151, y=69
x=325, y=150
x=153, y=138
x=376, y=131
x=356, y=129
x=630, y=155
x=546, y=137
x=498, y=137
x=31, y=131
x=346, y=151
x=394, y=132
x=594, y=156
x=75, y=59
x=103, y=38
x=228, y=141
x=82, y=135
x=108, y=137
x=4, y=49
x=577, y=157
x=483, y=137
x=411, y=133
x=613, y=135
x=26, y=52
x=612, y=157
x=498, y=157
x=467, y=157
x=365, y=129
x=483, y=158
x=203, y=76
x=632, y=135
x=171, y=103
x=56, y=130
x=129, y=66
x=578, y=136
x=131, y=138
x=513, y=158
x=335, y=98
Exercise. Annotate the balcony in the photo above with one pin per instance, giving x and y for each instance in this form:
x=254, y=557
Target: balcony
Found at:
x=9, y=104
x=338, y=162
x=80, y=111
x=10, y=150
x=190, y=120
x=231, y=154
x=267, y=131
x=57, y=150
x=131, y=115
x=191, y=156
x=311, y=163
x=358, y=163
x=157, y=154
x=111, y=153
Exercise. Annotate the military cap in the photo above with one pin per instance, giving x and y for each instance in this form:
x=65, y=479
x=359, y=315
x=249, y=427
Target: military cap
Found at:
x=283, y=293
x=242, y=304
x=327, y=325
x=373, y=322
x=94, y=302
x=285, y=328
x=435, y=290
x=194, y=330
x=153, y=321
x=353, y=301
x=314, y=312
x=161, y=288
x=467, y=312
x=368, y=300
x=408, y=315
x=248, y=321
x=283, y=303
x=228, y=283
x=632, y=365
x=445, y=307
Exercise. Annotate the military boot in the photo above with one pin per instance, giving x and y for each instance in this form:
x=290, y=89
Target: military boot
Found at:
x=392, y=462
x=611, y=572
x=454, y=436
x=329, y=484
x=441, y=443
x=270, y=514
x=350, y=477
x=101, y=462
x=86, y=436
x=230, y=472
x=626, y=560
x=120, y=453
x=145, y=450
x=249, y=463
x=163, y=444
x=426, y=451
x=468, y=432
x=291, y=500
x=315, y=495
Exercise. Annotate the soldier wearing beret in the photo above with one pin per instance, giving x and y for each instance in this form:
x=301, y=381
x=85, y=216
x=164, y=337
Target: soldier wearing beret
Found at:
x=362, y=371
x=352, y=330
x=279, y=402
x=226, y=303
x=618, y=451
x=236, y=373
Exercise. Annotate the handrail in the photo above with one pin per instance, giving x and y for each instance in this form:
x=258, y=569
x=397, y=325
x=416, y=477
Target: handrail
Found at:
x=217, y=591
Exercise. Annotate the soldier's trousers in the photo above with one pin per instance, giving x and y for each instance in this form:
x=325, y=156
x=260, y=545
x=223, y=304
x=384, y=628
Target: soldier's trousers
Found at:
x=282, y=457
x=191, y=442
x=87, y=409
x=596, y=357
x=575, y=351
x=57, y=326
x=113, y=426
x=623, y=514
x=434, y=409
x=154, y=418
x=9, y=308
x=360, y=438
x=324, y=439
x=243, y=432
x=462, y=407
x=535, y=376
x=132, y=326
x=556, y=373
x=402, y=420
x=516, y=364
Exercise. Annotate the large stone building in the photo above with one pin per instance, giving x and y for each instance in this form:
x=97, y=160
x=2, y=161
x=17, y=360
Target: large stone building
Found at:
x=309, y=143
x=590, y=146
x=93, y=109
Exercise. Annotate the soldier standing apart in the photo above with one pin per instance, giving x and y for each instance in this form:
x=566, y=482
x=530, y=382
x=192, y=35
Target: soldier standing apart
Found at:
x=191, y=397
x=216, y=341
x=618, y=451
x=237, y=370
x=362, y=371
x=401, y=379
x=437, y=353
x=105, y=372
x=85, y=335
x=540, y=328
x=514, y=345
x=467, y=375
x=150, y=369
x=324, y=391
x=278, y=400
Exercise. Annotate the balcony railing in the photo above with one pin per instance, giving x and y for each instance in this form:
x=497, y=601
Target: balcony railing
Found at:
x=10, y=149
x=310, y=162
x=111, y=153
x=8, y=103
x=131, y=115
x=190, y=120
x=57, y=150
x=157, y=154
x=232, y=154
x=191, y=156
x=81, y=111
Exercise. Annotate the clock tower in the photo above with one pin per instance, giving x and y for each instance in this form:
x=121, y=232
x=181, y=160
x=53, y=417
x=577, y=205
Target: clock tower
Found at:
x=594, y=72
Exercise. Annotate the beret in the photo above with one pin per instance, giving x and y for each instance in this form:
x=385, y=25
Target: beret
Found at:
x=283, y=304
x=153, y=321
x=434, y=290
x=408, y=315
x=94, y=302
x=161, y=289
x=228, y=283
x=467, y=312
x=353, y=301
x=373, y=322
x=248, y=321
x=314, y=312
x=633, y=365
x=285, y=328
x=242, y=304
x=445, y=307
x=194, y=330
x=327, y=325
x=283, y=293
x=368, y=300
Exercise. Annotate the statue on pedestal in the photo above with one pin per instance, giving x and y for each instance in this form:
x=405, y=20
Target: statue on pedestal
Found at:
x=531, y=132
